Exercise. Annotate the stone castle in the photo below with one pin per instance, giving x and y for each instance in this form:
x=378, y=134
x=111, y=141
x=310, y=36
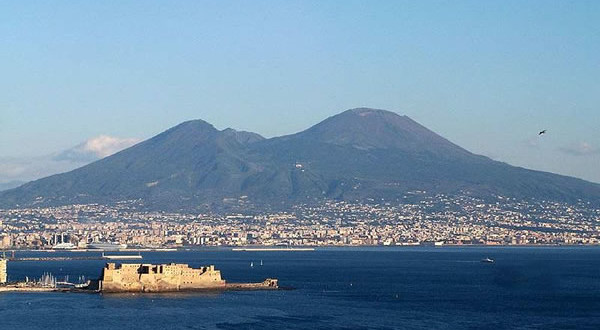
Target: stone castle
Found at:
x=2, y=270
x=158, y=278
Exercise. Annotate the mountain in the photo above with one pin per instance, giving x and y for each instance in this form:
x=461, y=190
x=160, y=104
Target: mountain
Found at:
x=364, y=153
x=190, y=160
x=356, y=155
x=376, y=129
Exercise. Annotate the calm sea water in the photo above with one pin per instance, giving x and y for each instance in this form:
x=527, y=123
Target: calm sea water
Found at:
x=362, y=288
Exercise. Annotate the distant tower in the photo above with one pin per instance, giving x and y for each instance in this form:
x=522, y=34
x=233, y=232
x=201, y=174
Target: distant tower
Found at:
x=2, y=269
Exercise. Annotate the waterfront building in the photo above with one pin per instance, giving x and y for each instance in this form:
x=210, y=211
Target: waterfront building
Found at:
x=3, y=275
x=164, y=277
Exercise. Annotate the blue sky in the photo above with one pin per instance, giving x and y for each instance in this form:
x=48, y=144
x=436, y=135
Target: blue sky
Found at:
x=487, y=75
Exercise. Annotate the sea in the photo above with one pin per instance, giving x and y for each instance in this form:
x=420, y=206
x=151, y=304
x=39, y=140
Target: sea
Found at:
x=333, y=288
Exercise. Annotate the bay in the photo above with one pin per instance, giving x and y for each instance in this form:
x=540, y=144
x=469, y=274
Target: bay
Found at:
x=334, y=288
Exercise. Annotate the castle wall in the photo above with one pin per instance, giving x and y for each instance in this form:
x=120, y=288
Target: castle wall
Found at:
x=3, y=274
x=156, y=278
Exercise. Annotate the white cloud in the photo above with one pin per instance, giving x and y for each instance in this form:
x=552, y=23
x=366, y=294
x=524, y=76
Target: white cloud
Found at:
x=32, y=168
x=96, y=148
x=105, y=145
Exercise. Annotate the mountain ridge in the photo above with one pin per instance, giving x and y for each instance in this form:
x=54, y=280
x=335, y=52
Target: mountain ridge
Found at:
x=358, y=154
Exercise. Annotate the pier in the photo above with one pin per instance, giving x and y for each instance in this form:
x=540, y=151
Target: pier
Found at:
x=12, y=257
x=272, y=249
x=56, y=258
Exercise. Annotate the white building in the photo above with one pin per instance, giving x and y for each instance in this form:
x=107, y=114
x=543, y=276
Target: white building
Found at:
x=2, y=270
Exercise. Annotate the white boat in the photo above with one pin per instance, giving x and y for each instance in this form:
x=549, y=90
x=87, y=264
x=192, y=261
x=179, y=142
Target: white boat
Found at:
x=106, y=246
x=488, y=260
x=121, y=256
x=64, y=246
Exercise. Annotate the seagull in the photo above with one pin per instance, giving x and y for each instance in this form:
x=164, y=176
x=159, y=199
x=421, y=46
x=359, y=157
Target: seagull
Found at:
x=542, y=132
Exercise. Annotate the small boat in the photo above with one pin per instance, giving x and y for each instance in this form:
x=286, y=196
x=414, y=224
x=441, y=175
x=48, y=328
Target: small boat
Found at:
x=261, y=263
x=251, y=264
x=488, y=260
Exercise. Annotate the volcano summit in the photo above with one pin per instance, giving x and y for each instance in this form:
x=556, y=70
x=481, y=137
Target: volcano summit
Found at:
x=358, y=154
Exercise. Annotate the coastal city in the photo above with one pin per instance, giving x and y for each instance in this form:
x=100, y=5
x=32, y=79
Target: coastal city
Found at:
x=420, y=220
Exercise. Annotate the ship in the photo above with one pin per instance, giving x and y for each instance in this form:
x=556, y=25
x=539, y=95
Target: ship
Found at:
x=167, y=278
x=64, y=246
x=488, y=260
x=106, y=246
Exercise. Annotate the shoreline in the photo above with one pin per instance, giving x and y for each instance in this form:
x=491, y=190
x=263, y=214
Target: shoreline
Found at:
x=29, y=289
x=268, y=248
x=253, y=286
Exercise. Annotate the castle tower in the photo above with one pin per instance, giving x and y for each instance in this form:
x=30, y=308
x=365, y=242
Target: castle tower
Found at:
x=2, y=270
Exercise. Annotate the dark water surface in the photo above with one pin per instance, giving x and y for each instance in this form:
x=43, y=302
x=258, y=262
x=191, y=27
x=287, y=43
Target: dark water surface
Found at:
x=362, y=288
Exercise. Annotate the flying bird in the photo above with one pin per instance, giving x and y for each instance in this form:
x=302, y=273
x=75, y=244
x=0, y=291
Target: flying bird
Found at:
x=542, y=132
